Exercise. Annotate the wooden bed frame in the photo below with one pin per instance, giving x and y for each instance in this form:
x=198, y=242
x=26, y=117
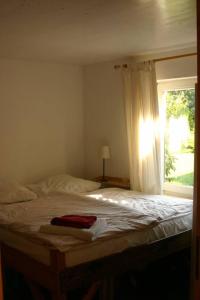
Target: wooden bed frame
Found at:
x=59, y=279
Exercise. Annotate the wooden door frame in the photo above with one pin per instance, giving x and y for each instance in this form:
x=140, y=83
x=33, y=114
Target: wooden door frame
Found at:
x=195, y=289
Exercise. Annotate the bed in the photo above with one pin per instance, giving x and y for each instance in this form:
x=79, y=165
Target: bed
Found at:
x=139, y=229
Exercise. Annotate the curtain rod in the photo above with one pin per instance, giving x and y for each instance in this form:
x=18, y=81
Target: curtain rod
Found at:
x=174, y=57
x=160, y=59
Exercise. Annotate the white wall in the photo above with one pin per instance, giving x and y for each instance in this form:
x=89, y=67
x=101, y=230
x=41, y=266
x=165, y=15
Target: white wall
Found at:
x=104, y=112
x=177, y=68
x=42, y=126
x=41, y=120
x=104, y=120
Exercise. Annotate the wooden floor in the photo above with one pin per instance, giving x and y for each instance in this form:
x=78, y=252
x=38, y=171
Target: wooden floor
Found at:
x=167, y=279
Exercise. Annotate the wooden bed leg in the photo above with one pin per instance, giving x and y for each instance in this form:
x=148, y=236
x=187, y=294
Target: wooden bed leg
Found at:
x=57, y=264
x=91, y=291
x=107, y=290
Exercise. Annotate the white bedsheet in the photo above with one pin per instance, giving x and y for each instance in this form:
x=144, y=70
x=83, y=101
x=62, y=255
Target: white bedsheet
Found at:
x=131, y=217
x=160, y=207
x=25, y=218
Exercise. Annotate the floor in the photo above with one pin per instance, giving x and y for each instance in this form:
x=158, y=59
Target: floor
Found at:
x=167, y=279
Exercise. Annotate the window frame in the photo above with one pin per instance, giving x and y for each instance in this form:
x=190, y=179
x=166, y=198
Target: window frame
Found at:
x=168, y=85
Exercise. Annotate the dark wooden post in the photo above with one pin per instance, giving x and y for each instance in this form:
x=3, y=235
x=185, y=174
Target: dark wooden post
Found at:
x=57, y=264
x=1, y=277
x=196, y=211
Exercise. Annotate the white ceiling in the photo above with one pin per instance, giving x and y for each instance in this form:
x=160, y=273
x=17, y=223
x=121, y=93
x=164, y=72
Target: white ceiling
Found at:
x=87, y=31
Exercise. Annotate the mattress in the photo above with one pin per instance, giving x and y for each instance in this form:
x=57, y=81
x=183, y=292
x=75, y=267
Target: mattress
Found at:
x=84, y=252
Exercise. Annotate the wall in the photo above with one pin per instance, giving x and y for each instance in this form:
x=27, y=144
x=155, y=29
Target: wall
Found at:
x=104, y=112
x=177, y=68
x=104, y=120
x=42, y=123
x=41, y=120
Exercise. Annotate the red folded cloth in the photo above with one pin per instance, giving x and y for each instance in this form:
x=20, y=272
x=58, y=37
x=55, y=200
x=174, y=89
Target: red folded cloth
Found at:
x=76, y=221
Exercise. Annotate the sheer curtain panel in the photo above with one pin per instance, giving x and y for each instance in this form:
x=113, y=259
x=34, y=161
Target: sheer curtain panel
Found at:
x=143, y=129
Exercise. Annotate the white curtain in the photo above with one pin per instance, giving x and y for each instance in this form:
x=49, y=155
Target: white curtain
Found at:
x=143, y=130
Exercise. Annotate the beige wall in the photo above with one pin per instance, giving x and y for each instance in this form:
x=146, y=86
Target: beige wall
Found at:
x=46, y=128
x=41, y=120
x=104, y=111
x=177, y=68
x=104, y=120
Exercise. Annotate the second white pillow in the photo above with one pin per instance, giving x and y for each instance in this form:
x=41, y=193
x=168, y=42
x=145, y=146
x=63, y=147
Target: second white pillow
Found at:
x=64, y=183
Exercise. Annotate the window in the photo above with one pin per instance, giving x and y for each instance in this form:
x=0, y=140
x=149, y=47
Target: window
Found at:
x=177, y=104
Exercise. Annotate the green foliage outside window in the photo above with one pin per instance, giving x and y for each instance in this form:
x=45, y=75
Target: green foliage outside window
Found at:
x=179, y=103
x=169, y=163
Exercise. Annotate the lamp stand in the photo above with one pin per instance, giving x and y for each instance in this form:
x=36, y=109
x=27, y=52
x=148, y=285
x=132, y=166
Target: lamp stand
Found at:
x=103, y=177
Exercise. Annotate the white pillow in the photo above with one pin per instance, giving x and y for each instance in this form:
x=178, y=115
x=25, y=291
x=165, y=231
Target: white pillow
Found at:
x=64, y=183
x=12, y=192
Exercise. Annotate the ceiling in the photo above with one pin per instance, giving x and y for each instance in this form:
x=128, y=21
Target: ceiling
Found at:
x=88, y=31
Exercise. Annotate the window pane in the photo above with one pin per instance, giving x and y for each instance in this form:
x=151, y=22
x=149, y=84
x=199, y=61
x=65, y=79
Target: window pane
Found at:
x=179, y=137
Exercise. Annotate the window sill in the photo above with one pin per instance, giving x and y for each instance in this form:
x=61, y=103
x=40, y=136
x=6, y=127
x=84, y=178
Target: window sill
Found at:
x=178, y=190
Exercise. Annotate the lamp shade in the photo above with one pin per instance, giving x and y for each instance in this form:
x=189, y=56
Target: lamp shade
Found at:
x=105, y=152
